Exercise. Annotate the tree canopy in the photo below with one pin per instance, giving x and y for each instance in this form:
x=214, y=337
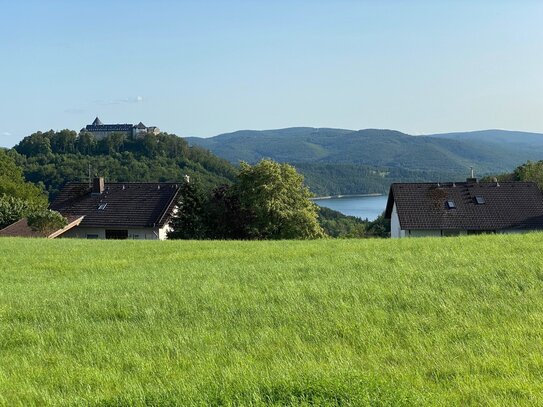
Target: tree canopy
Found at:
x=278, y=201
x=530, y=171
x=55, y=158
x=266, y=201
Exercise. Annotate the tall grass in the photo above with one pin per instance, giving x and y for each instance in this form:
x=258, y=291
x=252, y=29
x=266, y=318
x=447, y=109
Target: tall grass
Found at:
x=455, y=321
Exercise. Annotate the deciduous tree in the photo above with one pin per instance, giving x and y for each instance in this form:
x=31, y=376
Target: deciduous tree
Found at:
x=276, y=197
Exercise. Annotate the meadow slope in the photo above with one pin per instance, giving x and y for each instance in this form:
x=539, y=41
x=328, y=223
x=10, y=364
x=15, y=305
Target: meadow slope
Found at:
x=455, y=321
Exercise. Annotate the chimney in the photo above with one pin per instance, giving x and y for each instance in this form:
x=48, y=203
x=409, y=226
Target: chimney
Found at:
x=471, y=178
x=97, y=185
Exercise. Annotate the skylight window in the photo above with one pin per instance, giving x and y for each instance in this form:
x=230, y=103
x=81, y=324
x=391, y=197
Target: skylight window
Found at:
x=101, y=207
x=451, y=204
x=480, y=200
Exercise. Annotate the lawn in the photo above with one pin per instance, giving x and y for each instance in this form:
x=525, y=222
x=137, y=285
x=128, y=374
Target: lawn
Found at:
x=456, y=321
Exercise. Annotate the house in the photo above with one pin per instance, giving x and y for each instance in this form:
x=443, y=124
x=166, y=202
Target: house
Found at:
x=101, y=130
x=129, y=210
x=461, y=208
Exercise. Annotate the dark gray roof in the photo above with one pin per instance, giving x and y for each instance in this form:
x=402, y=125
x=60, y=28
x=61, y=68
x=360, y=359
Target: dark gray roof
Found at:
x=140, y=125
x=97, y=122
x=129, y=204
x=109, y=127
x=507, y=205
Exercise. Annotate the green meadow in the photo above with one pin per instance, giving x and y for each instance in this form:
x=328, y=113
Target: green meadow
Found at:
x=456, y=321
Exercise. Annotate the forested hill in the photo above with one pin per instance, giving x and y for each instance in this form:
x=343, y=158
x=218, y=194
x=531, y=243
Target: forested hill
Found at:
x=54, y=158
x=519, y=140
x=347, y=161
x=489, y=151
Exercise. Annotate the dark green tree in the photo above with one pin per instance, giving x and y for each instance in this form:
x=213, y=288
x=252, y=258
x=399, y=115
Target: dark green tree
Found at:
x=63, y=141
x=380, y=227
x=189, y=220
x=115, y=142
x=86, y=143
x=149, y=145
x=36, y=144
x=224, y=217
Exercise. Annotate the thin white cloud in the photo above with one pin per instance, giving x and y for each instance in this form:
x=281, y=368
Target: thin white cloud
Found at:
x=136, y=99
x=7, y=134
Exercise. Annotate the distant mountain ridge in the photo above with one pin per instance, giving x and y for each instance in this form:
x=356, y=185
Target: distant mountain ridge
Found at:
x=520, y=138
x=488, y=150
x=442, y=156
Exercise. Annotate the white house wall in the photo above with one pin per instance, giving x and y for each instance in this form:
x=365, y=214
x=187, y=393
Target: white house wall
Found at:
x=138, y=233
x=395, y=228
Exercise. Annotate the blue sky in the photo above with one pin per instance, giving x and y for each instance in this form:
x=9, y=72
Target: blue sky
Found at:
x=208, y=67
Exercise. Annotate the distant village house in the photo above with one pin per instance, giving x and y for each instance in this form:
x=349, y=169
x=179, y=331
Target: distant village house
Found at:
x=463, y=208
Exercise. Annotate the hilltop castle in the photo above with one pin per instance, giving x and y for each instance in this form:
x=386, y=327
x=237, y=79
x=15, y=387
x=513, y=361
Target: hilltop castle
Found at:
x=100, y=130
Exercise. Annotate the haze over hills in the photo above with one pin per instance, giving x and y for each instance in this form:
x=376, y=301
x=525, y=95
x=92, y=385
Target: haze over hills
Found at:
x=340, y=161
x=519, y=140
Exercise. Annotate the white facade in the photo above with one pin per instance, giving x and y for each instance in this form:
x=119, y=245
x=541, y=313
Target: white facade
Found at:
x=133, y=233
x=449, y=233
x=395, y=228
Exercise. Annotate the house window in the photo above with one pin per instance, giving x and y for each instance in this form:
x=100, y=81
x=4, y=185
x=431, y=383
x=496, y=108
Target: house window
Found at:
x=480, y=200
x=451, y=204
x=92, y=236
x=116, y=234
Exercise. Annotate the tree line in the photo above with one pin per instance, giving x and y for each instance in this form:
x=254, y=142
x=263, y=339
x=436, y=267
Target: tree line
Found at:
x=531, y=171
x=265, y=201
x=52, y=158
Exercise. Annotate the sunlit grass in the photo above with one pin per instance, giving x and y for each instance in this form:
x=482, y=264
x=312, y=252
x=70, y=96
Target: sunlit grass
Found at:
x=454, y=321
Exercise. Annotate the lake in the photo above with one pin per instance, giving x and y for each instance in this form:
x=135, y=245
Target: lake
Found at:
x=356, y=205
